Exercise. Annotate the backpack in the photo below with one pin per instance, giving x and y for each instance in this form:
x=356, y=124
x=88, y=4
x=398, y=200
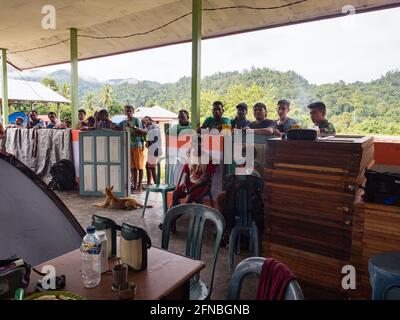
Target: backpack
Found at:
x=63, y=173
x=382, y=187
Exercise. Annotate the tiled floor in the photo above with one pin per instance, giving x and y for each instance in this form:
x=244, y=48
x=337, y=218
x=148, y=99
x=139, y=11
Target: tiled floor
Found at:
x=83, y=209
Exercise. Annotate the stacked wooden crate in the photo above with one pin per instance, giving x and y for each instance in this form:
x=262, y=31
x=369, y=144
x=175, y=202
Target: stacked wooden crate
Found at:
x=380, y=232
x=310, y=189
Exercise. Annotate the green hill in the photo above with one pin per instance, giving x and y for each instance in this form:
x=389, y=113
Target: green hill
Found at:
x=359, y=108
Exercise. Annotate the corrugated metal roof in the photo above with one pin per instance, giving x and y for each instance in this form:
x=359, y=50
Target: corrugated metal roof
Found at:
x=155, y=112
x=110, y=27
x=21, y=90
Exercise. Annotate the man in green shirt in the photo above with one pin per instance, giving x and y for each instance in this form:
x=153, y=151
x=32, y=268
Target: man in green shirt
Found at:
x=217, y=121
x=137, y=146
x=317, y=113
x=183, y=123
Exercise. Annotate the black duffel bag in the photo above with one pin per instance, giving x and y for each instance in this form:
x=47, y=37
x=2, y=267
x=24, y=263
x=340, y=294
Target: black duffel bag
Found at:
x=63, y=174
x=382, y=187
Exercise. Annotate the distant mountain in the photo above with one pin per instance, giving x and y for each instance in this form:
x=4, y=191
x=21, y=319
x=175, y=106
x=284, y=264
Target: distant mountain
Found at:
x=60, y=76
x=86, y=84
x=116, y=82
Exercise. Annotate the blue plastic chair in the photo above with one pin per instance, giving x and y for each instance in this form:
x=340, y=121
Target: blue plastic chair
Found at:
x=162, y=188
x=254, y=265
x=244, y=222
x=199, y=214
x=384, y=271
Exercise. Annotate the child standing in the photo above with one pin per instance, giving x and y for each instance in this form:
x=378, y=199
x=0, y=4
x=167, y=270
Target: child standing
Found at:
x=137, y=146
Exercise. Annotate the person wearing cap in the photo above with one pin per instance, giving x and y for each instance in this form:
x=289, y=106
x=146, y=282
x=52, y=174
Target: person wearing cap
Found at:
x=217, y=121
x=19, y=122
x=262, y=125
x=317, y=114
x=284, y=123
x=240, y=122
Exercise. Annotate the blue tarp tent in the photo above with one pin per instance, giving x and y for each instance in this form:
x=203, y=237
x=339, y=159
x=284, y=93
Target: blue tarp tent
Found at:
x=13, y=117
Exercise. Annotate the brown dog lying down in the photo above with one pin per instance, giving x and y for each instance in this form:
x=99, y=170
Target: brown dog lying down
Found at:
x=113, y=202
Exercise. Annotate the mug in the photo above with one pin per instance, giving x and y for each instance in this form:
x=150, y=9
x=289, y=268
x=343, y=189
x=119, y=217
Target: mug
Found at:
x=119, y=276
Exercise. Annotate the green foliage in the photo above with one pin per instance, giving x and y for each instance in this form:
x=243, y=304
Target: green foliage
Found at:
x=355, y=108
x=51, y=83
x=115, y=108
x=107, y=96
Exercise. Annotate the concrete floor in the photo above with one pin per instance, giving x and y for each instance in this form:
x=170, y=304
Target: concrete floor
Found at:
x=83, y=209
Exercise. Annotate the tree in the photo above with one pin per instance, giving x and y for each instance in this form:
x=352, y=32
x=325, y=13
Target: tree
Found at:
x=107, y=96
x=89, y=103
x=116, y=109
x=64, y=90
x=51, y=83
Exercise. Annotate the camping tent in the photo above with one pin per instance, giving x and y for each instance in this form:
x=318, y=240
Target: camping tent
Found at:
x=35, y=225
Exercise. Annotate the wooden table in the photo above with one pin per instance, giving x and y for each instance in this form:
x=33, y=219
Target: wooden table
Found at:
x=167, y=276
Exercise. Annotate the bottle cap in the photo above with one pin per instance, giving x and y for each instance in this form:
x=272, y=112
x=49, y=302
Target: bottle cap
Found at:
x=91, y=229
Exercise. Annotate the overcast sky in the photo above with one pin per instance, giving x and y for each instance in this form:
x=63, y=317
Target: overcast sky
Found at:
x=353, y=48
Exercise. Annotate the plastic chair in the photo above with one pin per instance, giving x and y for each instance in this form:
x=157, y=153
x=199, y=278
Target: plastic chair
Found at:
x=254, y=265
x=199, y=214
x=244, y=222
x=162, y=188
x=384, y=271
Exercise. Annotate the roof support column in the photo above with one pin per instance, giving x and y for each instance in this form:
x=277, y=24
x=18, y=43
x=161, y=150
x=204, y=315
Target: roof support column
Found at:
x=4, y=87
x=196, y=61
x=74, y=77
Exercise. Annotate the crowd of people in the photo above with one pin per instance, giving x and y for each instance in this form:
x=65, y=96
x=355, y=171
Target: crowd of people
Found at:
x=196, y=179
x=145, y=133
x=34, y=122
x=262, y=124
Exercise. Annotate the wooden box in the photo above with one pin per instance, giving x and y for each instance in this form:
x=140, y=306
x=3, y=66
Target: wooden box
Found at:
x=310, y=190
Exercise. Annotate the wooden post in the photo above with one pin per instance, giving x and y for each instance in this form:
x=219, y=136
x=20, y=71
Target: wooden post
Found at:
x=74, y=77
x=196, y=61
x=4, y=87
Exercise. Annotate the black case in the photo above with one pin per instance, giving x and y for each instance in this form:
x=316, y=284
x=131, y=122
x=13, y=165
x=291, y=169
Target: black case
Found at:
x=382, y=187
x=302, y=134
x=11, y=280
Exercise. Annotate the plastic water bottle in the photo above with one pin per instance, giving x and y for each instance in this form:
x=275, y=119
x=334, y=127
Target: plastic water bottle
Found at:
x=91, y=266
